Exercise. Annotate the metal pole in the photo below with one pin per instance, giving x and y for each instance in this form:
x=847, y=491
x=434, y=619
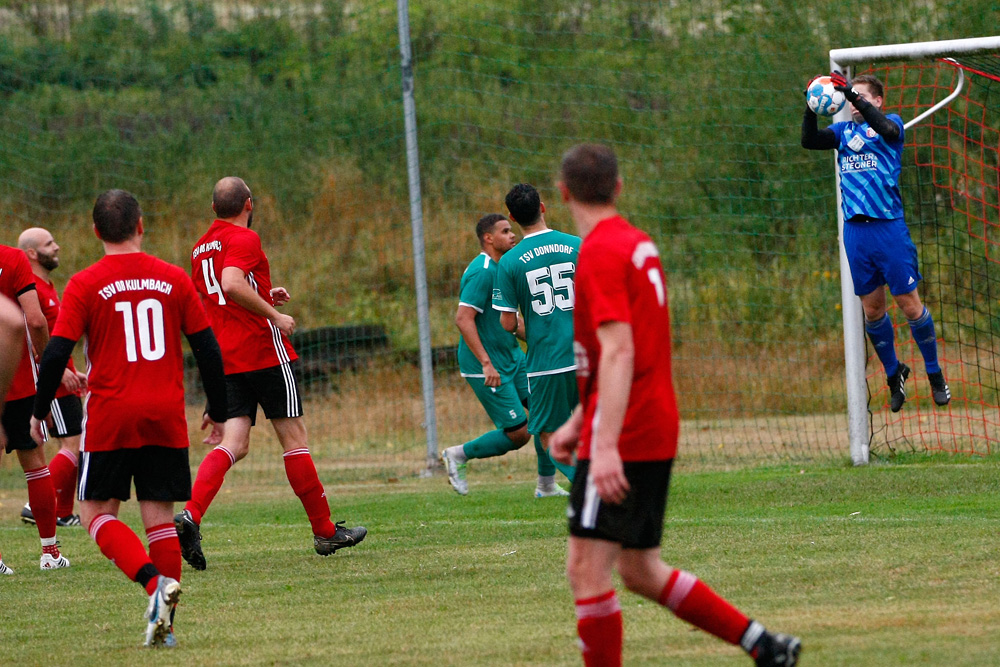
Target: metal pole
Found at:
x=417, y=226
x=854, y=337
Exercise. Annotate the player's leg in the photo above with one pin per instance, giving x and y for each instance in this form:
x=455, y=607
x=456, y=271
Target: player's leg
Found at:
x=105, y=480
x=300, y=470
x=277, y=390
x=3, y=568
x=865, y=244
x=212, y=471
x=67, y=426
x=553, y=398
x=880, y=332
x=902, y=275
x=643, y=572
x=504, y=408
x=589, y=564
x=41, y=493
x=162, y=478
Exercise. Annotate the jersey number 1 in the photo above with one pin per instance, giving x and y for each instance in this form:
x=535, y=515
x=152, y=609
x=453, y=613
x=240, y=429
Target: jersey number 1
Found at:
x=149, y=317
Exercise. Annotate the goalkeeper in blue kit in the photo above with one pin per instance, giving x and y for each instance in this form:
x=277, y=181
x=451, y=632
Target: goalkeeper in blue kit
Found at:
x=877, y=241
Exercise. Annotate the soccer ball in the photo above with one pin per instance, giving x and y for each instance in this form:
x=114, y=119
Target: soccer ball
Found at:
x=822, y=98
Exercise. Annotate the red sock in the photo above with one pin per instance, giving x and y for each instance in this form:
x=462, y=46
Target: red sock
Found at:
x=63, y=470
x=42, y=498
x=211, y=474
x=699, y=605
x=305, y=482
x=165, y=550
x=599, y=624
x=119, y=545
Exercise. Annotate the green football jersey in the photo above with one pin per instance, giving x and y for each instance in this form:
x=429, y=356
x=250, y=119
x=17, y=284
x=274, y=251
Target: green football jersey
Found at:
x=537, y=277
x=476, y=292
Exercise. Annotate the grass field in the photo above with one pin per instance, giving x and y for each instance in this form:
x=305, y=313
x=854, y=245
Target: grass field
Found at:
x=884, y=565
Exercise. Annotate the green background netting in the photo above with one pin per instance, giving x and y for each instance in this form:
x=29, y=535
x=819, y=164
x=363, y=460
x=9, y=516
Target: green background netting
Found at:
x=702, y=101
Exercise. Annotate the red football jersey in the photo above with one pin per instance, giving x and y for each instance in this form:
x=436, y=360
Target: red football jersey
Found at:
x=48, y=297
x=249, y=342
x=16, y=278
x=619, y=279
x=133, y=309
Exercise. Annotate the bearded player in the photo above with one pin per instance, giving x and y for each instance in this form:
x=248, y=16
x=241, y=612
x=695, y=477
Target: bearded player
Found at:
x=42, y=252
x=233, y=275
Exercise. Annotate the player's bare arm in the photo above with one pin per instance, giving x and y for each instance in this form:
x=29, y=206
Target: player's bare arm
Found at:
x=564, y=441
x=508, y=321
x=513, y=322
x=10, y=344
x=614, y=385
x=38, y=326
x=465, y=320
x=239, y=291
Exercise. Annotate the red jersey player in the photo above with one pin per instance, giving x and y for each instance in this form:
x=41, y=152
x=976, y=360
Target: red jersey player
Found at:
x=133, y=307
x=626, y=429
x=42, y=252
x=18, y=284
x=232, y=273
x=11, y=335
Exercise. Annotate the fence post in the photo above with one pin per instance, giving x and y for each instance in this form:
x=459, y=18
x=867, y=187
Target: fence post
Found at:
x=417, y=226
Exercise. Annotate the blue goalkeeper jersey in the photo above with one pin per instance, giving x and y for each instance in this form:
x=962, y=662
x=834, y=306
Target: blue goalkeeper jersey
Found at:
x=869, y=170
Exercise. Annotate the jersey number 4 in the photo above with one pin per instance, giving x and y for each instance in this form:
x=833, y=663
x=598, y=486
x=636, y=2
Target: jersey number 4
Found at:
x=211, y=282
x=149, y=318
x=552, y=296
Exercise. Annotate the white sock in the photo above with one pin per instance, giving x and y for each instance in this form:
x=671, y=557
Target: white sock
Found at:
x=546, y=482
x=457, y=453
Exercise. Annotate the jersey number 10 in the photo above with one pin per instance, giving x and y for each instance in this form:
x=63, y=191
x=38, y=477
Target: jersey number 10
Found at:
x=149, y=316
x=561, y=275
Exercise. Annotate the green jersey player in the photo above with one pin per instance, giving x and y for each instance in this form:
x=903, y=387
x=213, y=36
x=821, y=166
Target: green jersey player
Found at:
x=489, y=357
x=537, y=277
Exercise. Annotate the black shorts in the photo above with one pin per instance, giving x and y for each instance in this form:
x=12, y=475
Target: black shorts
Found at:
x=160, y=473
x=635, y=524
x=275, y=389
x=67, y=417
x=16, y=420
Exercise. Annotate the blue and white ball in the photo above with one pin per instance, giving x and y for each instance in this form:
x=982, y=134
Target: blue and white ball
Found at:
x=822, y=98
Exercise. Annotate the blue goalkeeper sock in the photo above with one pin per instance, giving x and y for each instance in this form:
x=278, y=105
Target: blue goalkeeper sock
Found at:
x=922, y=329
x=545, y=466
x=493, y=443
x=881, y=335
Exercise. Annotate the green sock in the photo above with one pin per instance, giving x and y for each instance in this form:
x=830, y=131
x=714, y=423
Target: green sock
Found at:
x=569, y=471
x=545, y=466
x=494, y=443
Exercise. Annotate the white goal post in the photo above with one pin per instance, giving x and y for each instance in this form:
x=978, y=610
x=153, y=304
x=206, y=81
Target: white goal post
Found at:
x=854, y=338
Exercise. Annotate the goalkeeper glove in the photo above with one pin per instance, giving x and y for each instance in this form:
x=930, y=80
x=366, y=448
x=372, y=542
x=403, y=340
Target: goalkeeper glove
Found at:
x=841, y=83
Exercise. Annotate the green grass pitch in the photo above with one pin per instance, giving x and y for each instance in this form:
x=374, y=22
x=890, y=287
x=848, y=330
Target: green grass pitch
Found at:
x=885, y=565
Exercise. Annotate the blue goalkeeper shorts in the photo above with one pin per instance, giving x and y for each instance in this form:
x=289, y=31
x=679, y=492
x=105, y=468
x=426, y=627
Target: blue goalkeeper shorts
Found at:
x=881, y=252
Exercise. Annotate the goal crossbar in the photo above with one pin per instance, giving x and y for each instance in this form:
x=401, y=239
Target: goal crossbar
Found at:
x=915, y=50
